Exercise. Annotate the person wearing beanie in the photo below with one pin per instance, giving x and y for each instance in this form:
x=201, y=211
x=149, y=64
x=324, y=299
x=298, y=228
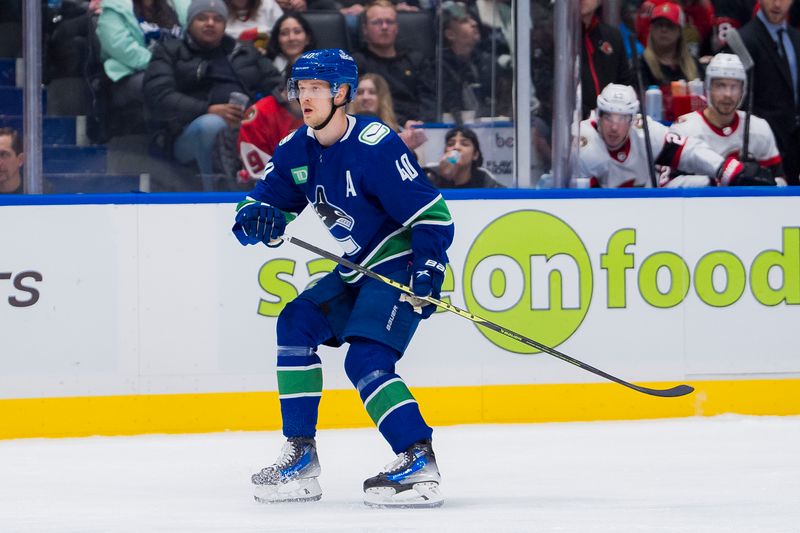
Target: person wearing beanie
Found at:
x=201, y=84
x=198, y=7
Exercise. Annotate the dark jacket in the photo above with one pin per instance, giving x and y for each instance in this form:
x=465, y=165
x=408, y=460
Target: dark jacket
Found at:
x=670, y=74
x=603, y=61
x=411, y=79
x=773, y=93
x=467, y=83
x=177, y=85
x=480, y=179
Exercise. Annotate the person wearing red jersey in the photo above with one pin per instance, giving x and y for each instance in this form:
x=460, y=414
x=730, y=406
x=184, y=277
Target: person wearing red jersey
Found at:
x=265, y=123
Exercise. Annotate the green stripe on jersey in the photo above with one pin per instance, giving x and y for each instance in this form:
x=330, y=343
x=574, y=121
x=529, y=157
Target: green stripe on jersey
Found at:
x=436, y=212
x=395, y=244
x=300, y=380
x=386, y=398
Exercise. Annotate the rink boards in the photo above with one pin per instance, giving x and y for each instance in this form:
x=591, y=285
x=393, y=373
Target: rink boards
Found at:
x=142, y=313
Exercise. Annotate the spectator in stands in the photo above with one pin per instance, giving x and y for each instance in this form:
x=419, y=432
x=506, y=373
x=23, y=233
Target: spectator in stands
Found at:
x=409, y=74
x=189, y=84
x=699, y=15
x=290, y=37
x=721, y=124
x=460, y=164
x=301, y=6
x=352, y=9
x=627, y=27
x=252, y=20
x=265, y=123
x=70, y=45
x=470, y=77
x=603, y=59
x=775, y=48
x=11, y=161
x=128, y=30
x=666, y=57
x=374, y=98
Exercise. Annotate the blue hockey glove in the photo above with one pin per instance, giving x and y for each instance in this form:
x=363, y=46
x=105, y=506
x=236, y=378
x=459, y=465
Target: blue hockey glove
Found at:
x=427, y=276
x=259, y=222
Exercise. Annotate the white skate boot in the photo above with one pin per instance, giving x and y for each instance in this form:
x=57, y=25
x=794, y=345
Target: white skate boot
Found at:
x=293, y=477
x=412, y=480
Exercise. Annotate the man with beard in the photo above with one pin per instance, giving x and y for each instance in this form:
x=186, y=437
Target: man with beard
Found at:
x=721, y=124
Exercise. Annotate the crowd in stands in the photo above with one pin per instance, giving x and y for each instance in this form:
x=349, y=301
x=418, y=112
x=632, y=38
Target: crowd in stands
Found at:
x=205, y=80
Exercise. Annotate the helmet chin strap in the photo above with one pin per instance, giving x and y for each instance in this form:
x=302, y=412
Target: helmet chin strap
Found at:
x=334, y=107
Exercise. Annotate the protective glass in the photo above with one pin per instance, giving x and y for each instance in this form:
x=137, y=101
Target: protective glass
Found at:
x=315, y=91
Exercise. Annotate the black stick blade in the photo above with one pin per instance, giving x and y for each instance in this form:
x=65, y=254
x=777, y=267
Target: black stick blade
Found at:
x=674, y=392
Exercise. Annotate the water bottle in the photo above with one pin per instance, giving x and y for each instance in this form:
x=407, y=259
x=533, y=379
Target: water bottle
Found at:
x=545, y=181
x=453, y=156
x=696, y=87
x=654, y=101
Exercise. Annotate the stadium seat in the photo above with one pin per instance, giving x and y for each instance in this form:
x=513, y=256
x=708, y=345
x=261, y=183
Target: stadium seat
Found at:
x=330, y=29
x=416, y=32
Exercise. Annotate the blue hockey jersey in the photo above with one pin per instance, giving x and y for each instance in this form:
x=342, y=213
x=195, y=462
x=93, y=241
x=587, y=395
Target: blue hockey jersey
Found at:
x=367, y=189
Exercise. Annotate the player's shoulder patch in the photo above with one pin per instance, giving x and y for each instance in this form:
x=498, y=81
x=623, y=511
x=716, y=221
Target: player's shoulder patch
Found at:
x=373, y=133
x=250, y=114
x=287, y=138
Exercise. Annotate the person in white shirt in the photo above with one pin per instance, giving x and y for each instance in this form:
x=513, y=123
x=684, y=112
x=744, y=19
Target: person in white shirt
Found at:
x=613, y=153
x=252, y=20
x=721, y=125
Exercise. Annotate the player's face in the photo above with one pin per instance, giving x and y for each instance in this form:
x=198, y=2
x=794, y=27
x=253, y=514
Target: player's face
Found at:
x=292, y=38
x=10, y=161
x=315, y=100
x=726, y=95
x=775, y=10
x=207, y=29
x=614, y=128
x=367, y=96
x=380, y=26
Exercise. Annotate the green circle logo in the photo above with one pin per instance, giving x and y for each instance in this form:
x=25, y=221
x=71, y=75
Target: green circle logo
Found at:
x=528, y=271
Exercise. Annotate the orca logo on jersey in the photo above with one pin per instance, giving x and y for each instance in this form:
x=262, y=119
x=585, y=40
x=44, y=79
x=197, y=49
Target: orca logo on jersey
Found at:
x=330, y=214
x=336, y=219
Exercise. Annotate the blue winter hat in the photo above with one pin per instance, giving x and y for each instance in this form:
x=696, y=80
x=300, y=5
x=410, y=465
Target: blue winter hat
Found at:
x=198, y=6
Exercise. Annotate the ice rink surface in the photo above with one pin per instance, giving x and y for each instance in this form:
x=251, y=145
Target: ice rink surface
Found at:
x=723, y=474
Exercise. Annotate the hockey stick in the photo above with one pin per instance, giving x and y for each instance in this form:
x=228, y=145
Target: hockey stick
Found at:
x=734, y=40
x=679, y=390
x=643, y=107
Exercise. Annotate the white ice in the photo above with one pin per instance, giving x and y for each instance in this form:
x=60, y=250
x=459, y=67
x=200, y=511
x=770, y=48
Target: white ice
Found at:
x=724, y=474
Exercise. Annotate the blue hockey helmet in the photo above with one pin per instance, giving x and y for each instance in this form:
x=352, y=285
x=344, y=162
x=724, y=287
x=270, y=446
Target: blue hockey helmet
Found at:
x=333, y=65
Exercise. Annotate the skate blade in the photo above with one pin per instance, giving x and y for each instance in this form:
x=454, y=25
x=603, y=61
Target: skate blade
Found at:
x=298, y=490
x=420, y=496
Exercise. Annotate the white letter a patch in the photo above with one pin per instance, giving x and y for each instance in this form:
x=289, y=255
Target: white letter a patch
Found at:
x=351, y=190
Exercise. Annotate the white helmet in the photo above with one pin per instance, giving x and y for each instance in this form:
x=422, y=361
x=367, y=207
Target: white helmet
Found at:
x=727, y=66
x=615, y=98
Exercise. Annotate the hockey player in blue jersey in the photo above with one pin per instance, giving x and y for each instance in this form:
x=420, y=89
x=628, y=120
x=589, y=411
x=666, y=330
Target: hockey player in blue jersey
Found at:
x=376, y=201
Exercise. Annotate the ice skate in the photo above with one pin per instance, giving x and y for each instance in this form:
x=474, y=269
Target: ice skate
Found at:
x=293, y=477
x=411, y=480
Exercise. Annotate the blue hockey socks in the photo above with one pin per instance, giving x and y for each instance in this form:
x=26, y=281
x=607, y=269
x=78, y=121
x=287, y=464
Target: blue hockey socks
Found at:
x=370, y=367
